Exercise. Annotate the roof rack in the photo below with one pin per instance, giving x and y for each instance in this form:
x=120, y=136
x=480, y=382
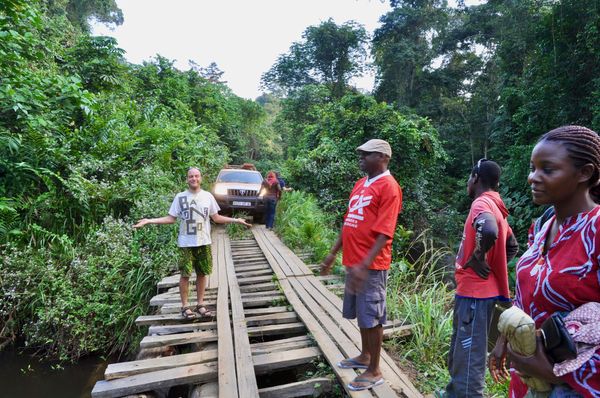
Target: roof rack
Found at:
x=245, y=166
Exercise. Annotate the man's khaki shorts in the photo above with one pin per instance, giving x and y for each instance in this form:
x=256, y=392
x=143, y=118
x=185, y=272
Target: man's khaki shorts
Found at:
x=368, y=306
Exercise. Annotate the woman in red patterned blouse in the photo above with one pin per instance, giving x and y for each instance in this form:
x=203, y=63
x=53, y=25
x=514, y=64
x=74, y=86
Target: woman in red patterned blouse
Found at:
x=560, y=270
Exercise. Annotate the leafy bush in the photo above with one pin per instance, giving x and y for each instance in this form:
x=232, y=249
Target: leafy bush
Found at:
x=69, y=305
x=303, y=225
x=327, y=134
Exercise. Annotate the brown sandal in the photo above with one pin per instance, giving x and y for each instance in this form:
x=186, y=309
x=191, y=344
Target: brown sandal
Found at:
x=187, y=313
x=203, y=311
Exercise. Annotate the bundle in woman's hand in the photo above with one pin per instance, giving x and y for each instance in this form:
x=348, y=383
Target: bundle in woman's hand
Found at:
x=519, y=329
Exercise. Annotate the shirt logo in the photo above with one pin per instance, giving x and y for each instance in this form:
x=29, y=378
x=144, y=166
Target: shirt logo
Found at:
x=356, y=206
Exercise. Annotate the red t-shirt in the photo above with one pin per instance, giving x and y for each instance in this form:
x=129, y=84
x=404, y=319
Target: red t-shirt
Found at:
x=468, y=283
x=372, y=210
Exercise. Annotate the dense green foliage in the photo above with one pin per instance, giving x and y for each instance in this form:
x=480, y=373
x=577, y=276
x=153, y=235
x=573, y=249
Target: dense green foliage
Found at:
x=492, y=78
x=331, y=129
x=88, y=144
x=304, y=226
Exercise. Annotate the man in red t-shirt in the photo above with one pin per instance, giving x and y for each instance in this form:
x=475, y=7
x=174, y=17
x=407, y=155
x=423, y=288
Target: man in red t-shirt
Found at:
x=366, y=238
x=481, y=280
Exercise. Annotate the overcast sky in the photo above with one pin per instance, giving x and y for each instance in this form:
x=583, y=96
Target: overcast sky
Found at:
x=244, y=37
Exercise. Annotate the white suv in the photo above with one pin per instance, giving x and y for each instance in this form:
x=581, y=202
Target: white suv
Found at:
x=240, y=189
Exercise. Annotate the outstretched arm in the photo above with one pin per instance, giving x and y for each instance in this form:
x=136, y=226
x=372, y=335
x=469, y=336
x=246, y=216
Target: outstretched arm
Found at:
x=219, y=219
x=161, y=220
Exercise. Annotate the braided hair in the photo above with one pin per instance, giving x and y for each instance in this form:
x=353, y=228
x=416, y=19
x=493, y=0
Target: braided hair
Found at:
x=583, y=146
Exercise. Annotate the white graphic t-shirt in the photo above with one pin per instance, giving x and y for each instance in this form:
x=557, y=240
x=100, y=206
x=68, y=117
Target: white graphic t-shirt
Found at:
x=193, y=211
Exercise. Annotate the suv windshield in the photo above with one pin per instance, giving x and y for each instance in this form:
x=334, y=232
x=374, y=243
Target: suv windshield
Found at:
x=240, y=176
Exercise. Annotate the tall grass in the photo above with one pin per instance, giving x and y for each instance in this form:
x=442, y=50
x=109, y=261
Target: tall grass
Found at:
x=418, y=295
x=303, y=225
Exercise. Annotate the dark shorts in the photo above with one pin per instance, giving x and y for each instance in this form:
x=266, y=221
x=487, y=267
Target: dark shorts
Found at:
x=367, y=306
x=198, y=259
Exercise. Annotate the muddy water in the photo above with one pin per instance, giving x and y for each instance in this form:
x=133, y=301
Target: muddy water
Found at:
x=24, y=376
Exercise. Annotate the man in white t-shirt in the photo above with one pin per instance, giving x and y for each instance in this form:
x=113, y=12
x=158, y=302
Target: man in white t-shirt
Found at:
x=194, y=208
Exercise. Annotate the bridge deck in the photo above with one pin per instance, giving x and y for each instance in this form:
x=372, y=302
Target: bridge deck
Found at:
x=266, y=301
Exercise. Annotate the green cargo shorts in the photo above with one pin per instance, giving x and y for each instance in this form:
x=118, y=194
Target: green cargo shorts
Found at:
x=197, y=258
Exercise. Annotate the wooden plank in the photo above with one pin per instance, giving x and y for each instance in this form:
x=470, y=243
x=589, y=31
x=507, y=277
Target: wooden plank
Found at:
x=162, y=327
x=332, y=304
x=170, y=298
x=180, y=339
x=250, y=302
x=249, y=288
x=246, y=274
x=347, y=346
x=195, y=374
x=287, y=344
x=243, y=258
x=336, y=278
x=246, y=379
x=265, y=311
x=312, y=387
x=214, y=278
x=255, y=279
x=272, y=319
x=282, y=360
x=271, y=330
x=227, y=375
x=398, y=331
x=257, y=267
x=267, y=247
x=155, y=380
x=279, y=271
x=169, y=281
x=295, y=263
x=162, y=330
x=166, y=319
x=326, y=344
x=125, y=369
x=258, y=287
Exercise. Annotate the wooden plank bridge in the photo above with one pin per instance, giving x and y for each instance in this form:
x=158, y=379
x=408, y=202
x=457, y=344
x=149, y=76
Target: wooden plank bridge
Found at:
x=272, y=314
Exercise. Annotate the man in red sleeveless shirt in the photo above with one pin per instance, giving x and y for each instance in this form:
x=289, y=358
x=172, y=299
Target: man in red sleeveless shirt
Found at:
x=366, y=239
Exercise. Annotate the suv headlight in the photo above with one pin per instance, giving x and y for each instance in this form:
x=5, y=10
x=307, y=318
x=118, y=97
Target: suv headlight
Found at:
x=220, y=190
x=262, y=192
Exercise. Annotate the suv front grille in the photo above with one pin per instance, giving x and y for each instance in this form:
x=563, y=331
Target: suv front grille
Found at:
x=242, y=192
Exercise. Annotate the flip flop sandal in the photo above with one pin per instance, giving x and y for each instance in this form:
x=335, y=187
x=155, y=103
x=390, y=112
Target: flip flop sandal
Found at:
x=351, y=363
x=203, y=311
x=372, y=383
x=187, y=315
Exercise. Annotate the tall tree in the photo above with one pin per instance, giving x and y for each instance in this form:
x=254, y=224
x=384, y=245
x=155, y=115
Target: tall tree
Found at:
x=330, y=54
x=404, y=47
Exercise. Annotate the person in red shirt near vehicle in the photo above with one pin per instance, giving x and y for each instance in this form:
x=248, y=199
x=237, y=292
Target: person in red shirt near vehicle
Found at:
x=481, y=276
x=366, y=239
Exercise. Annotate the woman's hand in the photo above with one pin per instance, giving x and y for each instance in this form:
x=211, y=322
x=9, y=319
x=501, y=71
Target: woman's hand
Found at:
x=537, y=365
x=497, y=360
